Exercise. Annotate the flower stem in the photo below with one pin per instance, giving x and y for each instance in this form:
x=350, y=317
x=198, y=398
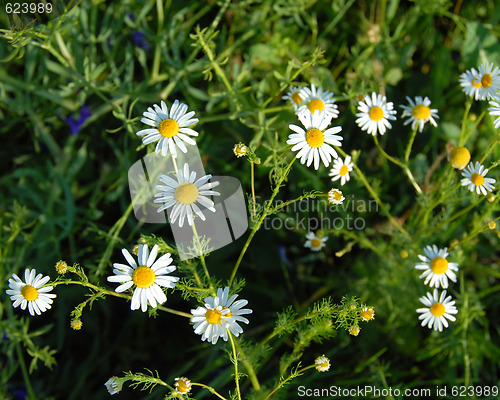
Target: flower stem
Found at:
x=24, y=371
x=235, y=356
x=252, y=179
x=211, y=389
x=410, y=144
x=283, y=382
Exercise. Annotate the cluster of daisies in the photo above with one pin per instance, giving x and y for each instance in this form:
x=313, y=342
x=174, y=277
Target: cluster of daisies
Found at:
x=436, y=271
x=146, y=279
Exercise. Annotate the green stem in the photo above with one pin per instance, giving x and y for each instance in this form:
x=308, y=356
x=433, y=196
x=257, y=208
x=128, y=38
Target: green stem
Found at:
x=255, y=228
x=113, y=293
x=462, y=140
x=282, y=383
x=250, y=370
x=252, y=181
x=410, y=144
x=24, y=371
x=235, y=356
x=211, y=389
x=202, y=259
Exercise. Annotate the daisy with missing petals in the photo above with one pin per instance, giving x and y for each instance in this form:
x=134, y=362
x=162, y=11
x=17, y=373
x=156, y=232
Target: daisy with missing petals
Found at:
x=317, y=100
x=170, y=129
x=322, y=363
x=220, y=314
x=31, y=293
x=335, y=196
x=293, y=95
x=439, y=308
x=316, y=141
x=315, y=243
x=419, y=113
x=459, y=157
x=436, y=267
x=494, y=110
x=147, y=275
x=183, y=195
x=367, y=314
x=475, y=179
x=374, y=114
x=341, y=170
x=182, y=385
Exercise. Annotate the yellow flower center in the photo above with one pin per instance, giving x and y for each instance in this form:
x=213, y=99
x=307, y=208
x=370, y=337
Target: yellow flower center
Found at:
x=315, y=138
x=324, y=365
x=459, y=157
x=316, y=243
x=29, y=293
x=240, y=150
x=477, y=179
x=143, y=276
x=213, y=317
x=344, y=170
x=182, y=386
x=421, y=111
x=296, y=98
x=486, y=81
x=439, y=265
x=168, y=128
x=404, y=254
x=354, y=330
x=476, y=83
x=186, y=193
x=437, y=309
x=376, y=113
x=367, y=314
x=336, y=194
x=316, y=104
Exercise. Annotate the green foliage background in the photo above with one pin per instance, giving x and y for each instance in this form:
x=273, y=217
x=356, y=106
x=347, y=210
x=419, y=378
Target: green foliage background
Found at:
x=66, y=196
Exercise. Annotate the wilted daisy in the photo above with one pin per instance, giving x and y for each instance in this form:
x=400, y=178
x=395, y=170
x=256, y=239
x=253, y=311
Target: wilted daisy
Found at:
x=367, y=313
x=482, y=84
x=315, y=143
x=317, y=100
x=31, y=293
x=341, y=169
x=436, y=267
x=114, y=385
x=315, y=243
x=494, y=110
x=182, y=385
x=374, y=114
x=170, y=129
x=185, y=194
x=147, y=275
x=459, y=157
x=354, y=330
x=322, y=363
x=475, y=179
x=240, y=150
x=335, y=196
x=218, y=315
x=61, y=267
x=293, y=95
x=419, y=113
x=439, y=308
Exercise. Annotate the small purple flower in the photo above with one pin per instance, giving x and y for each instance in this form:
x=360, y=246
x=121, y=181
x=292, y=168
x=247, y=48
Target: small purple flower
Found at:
x=139, y=39
x=283, y=257
x=75, y=126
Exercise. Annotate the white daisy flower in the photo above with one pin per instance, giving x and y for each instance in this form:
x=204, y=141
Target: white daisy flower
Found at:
x=374, y=114
x=147, y=275
x=293, y=95
x=436, y=267
x=183, y=195
x=31, y=293
x=487, y=82
x=341, y=170
x=170, y=129
x=317, y=100
x=182, y=385
x=114, y=385
x=475, y=179
x=471, y=83
x=439, y=308
x=315, y=143
x=220, y=314
x=335, y=196
x=315, y=243
x=494, y=110
x=419, y=112
x=322, y=363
